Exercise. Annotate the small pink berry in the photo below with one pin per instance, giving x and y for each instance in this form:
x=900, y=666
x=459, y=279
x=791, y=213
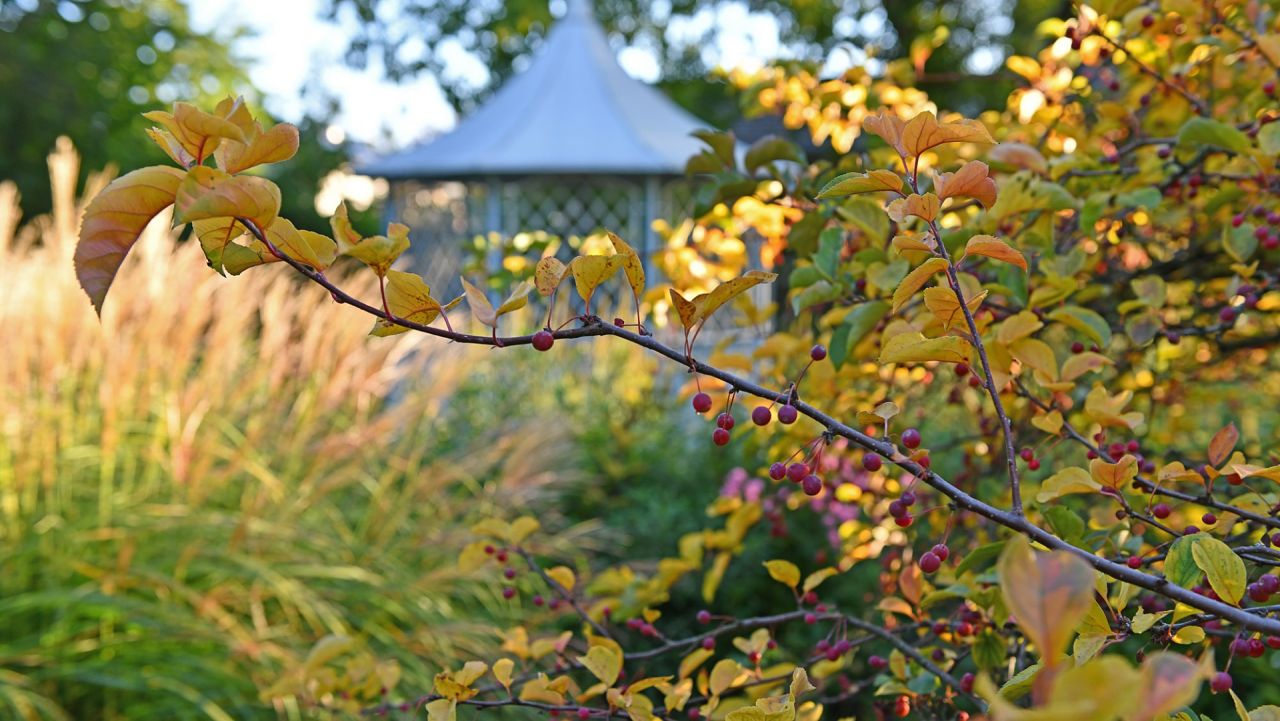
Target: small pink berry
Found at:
x=720, y=437
x=725, y=421
x=911, y=438
x=788, y=414
x=543, y=340
x=778, y=470
x=761, y=415
x=872, y=461
x=818, y=353
x=1221, y=682
x=930, y=562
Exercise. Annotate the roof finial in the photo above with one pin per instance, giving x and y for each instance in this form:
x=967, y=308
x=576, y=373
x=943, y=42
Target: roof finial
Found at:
x=580, y=9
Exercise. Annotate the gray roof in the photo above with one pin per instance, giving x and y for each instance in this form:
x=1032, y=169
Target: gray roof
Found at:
x=573, y=111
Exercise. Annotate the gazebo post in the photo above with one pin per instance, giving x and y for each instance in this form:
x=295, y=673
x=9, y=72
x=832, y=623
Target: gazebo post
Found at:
x=493, y=223
x=650, y=244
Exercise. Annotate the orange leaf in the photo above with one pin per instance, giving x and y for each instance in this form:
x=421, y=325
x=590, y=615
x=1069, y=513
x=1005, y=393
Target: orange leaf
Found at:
x=1222, y=444
x=1019, y=155
x=972, y=180
x=199, y=133
x=922, y=206
x=1048, y=593
x=113, y=222
x=992, y=247
x=889, y=127
x=915, y=280
x=924, y=132
x=272, y=146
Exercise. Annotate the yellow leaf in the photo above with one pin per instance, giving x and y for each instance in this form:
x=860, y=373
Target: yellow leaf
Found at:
x=1036, y=354
x=1266, y=713
x=893, y=604
x=198, y=132
x=548, y=274
x=942, y=302
x=1018, y=326
x=992, y=247
x=539, y=689
x=1064, y=482
x=924, y=132
x=709, y=303
x=686, y=310
x=1107, y=410
x=522, y=528
x=518, y=298
x=604, y=663
x=972, y=180
x=171, y=147
x=1050, y=422
x=1188, y=635
x=690, y=663
x=815, y=579
x=306, y=247
x=380, y=251
x=913, y=347
x=114, y=220
x=632, y=266
x=589, y=271
x=1081, y=363
x=1175, y=471
x=409, y=298
x=904, y=243
x=1143, y=621
x=562, y=575
x=1048, y=593
x=714, y=575
x=1269, y=44
x=1223, y=568
x=442, y=709
x=916, y=279
x=725, y=674
x=784, y=572
x=345, y=235
x=854, y=183
x=1114, y=475
x=210, y=193
x=260, y=147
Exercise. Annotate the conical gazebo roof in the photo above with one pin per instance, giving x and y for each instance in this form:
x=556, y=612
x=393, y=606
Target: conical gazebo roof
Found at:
x=573, y=111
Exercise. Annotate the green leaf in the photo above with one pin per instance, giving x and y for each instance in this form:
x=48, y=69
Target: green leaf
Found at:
x=1239, y=243
x=876, y=181
x=857, y=324
x=1086, y=321
x=1066, y=524
x=769, y=149
x=1144, y=198
x=1222, y=566
x=980, y=557
x=989, y=651
x=1269, y=138
x=721, y=143
x=1179, y=564
x=1199, y=131
x=867, y=215
x=830, y=243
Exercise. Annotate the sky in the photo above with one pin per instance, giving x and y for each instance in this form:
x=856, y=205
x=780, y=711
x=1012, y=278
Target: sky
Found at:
x=293, y=47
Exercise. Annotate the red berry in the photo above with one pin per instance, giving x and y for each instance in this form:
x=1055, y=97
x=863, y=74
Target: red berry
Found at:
x=1134, y=562
x=508, y=593
x=778, y=471
x=704, y=616
x=543, y=340
x=1256, y=647
x=908, y=498
x=941, y=551
x=902, y=707
x=538, y=600
x=1221, y=682
x=1148, y=20
x=966, y=683
x=720, y=437
x=962, y=370
x=898, y=509
x=811, y=485
x=1033, y=464
x=930, y=562
x=1161, y=510
x=1227, y=314
x=509, y=573
x=904, y=521
x=761, y=415
x=725, y=421
x=1270, y=583
x=797, y=471
x=1257, y=593
x=788, y=414
x=1273, y=642
x=701, y=402
x=1209, y=519
x=871, y=461
x=708, y=643
x=1026, y=454
x=877, y=663
x=810, y=618
x=584, y=712
x=1077, y=347
x=818, y=352
x=911, y=438
x=1269, y=87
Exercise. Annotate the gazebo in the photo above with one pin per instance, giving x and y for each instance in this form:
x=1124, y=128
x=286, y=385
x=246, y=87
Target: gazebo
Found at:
x=569, y=146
